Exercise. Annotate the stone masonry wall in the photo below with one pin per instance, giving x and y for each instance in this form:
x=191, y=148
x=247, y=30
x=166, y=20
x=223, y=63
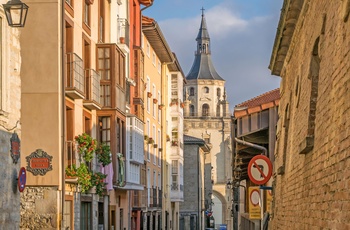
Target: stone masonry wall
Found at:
x=313, y=191
x=39, y=208
x=9, y=193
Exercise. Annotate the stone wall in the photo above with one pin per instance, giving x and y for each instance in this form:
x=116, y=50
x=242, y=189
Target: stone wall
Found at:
x=9, y=193
x=39, y=208
x=312, y=180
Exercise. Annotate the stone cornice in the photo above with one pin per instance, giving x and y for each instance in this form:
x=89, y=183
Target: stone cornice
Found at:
x=286, y=27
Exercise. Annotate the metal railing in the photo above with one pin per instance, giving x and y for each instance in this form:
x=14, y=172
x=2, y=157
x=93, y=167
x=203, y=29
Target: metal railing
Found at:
x=92, y=87
x=75, y=72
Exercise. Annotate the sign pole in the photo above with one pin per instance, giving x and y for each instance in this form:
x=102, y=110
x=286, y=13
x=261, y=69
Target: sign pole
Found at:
x=262, y=209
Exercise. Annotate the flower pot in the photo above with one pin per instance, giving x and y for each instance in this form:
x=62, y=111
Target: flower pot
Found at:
x=155, y=100
x=149, y=94
x=122, y=40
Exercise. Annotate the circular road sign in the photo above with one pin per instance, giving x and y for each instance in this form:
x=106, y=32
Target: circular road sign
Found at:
x=260, y=169
x=255, y=197
x=22, y=178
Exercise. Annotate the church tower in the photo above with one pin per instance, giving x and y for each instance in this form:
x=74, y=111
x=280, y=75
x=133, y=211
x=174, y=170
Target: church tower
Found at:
x=207, y=116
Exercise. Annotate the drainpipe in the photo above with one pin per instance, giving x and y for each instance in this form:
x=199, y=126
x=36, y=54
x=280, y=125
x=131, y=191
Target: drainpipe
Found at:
x=252, y=145
x=63, y=113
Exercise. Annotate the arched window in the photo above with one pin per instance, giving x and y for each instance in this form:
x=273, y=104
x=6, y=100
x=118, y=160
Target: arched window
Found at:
x=192, y=110
x=218, y=92
x=205, y=110
x=205, y=89
x=218, y=110
x=191, y=91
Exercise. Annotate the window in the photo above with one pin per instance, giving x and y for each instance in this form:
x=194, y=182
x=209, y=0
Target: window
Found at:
x=148, y=146
x=154, y=104
x=148, y=98
x=105, y=129
x=159, y=67
x=191, y=91
x=205, y=89
x=68, y=214
x=154, y=59
x=159, y=110
x=101, y=21
x=159, y=146
x=218, y=92
x=154, y=149
x=85, y=216
x=148, y=50
x=192, y=110
x=205, y=110
x=86, y=14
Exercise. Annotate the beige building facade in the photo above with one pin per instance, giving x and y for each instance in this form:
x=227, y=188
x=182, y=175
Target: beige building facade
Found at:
x=10, y=123
x=312, y=151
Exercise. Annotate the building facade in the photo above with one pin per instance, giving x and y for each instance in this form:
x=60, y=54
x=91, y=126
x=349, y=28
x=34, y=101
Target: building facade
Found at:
x=197, y=184
x=10, y=126
x=254, y=134
x=207, y=117
x=311, y=157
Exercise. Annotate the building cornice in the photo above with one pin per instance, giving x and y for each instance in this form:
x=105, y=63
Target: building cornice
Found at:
x=155, y=37
x=290, y=14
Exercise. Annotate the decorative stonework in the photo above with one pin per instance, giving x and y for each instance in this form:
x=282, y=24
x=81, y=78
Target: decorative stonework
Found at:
x=39, y=162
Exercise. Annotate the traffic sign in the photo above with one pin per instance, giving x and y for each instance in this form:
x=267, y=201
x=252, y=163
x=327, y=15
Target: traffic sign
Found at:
x=260, y=169
x=22, y=178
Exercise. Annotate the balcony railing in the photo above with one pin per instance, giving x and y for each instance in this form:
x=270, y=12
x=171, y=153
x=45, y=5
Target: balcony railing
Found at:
x=70, y=158
x=75, y=77
x=92, y=89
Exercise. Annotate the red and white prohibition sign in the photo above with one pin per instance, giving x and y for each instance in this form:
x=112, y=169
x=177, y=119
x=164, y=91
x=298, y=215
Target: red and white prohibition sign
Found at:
x=260, y=169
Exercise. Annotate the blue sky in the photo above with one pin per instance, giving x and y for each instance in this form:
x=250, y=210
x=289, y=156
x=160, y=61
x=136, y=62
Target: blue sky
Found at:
x=242, y=34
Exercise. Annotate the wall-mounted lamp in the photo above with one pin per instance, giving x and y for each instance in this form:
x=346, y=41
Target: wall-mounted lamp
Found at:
x=16, y=13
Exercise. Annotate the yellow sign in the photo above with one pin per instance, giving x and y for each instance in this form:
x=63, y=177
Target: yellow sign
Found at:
x=268, y=201
x=254, y=203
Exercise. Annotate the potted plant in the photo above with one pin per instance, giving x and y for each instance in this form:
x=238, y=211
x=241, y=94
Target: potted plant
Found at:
x=97, y=180
x=167, y=138
x=146, y=138
x=155, y=100
x=150, y=141
x=86, y=146
x=155, y=146
x=174, y=143
x=122, y=40
x=104, y=155
x=161, y=106
x=160, y=149
x=149, y=94
x=84, y=178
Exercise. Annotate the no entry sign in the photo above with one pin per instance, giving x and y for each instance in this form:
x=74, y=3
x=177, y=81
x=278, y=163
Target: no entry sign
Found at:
x=260, y=169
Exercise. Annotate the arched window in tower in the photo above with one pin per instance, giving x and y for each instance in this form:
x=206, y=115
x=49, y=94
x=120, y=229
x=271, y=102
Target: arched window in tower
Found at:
x=192, y=110
x=199, y=48
x=205, y=89
x=204, y=48
x=218, y=92
x=218, y=110
x=191, y=91
x=205, y=110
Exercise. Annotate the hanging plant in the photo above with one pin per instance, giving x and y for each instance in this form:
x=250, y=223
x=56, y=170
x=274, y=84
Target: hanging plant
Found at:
x=155, y=146
x=104, y=155
x=155, y=100
x=146, y=138
x=149, y=94
x=167, y=138
x=161, y=106
x=97, y=180
x=86, y=146
x=83, y=175
x=150, y=141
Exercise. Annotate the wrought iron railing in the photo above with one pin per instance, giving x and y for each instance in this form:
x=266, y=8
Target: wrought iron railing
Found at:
x=92, y=87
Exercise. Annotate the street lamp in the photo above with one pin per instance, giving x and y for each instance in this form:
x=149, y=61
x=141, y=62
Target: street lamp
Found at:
x=16, y=13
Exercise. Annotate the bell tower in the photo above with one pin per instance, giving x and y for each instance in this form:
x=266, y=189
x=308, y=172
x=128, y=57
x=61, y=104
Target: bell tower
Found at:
x=207, y=116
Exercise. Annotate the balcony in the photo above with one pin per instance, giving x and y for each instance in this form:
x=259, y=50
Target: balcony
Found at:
x=176, y=192
x=92, y=89
x=75, y=77
x=70, y=159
